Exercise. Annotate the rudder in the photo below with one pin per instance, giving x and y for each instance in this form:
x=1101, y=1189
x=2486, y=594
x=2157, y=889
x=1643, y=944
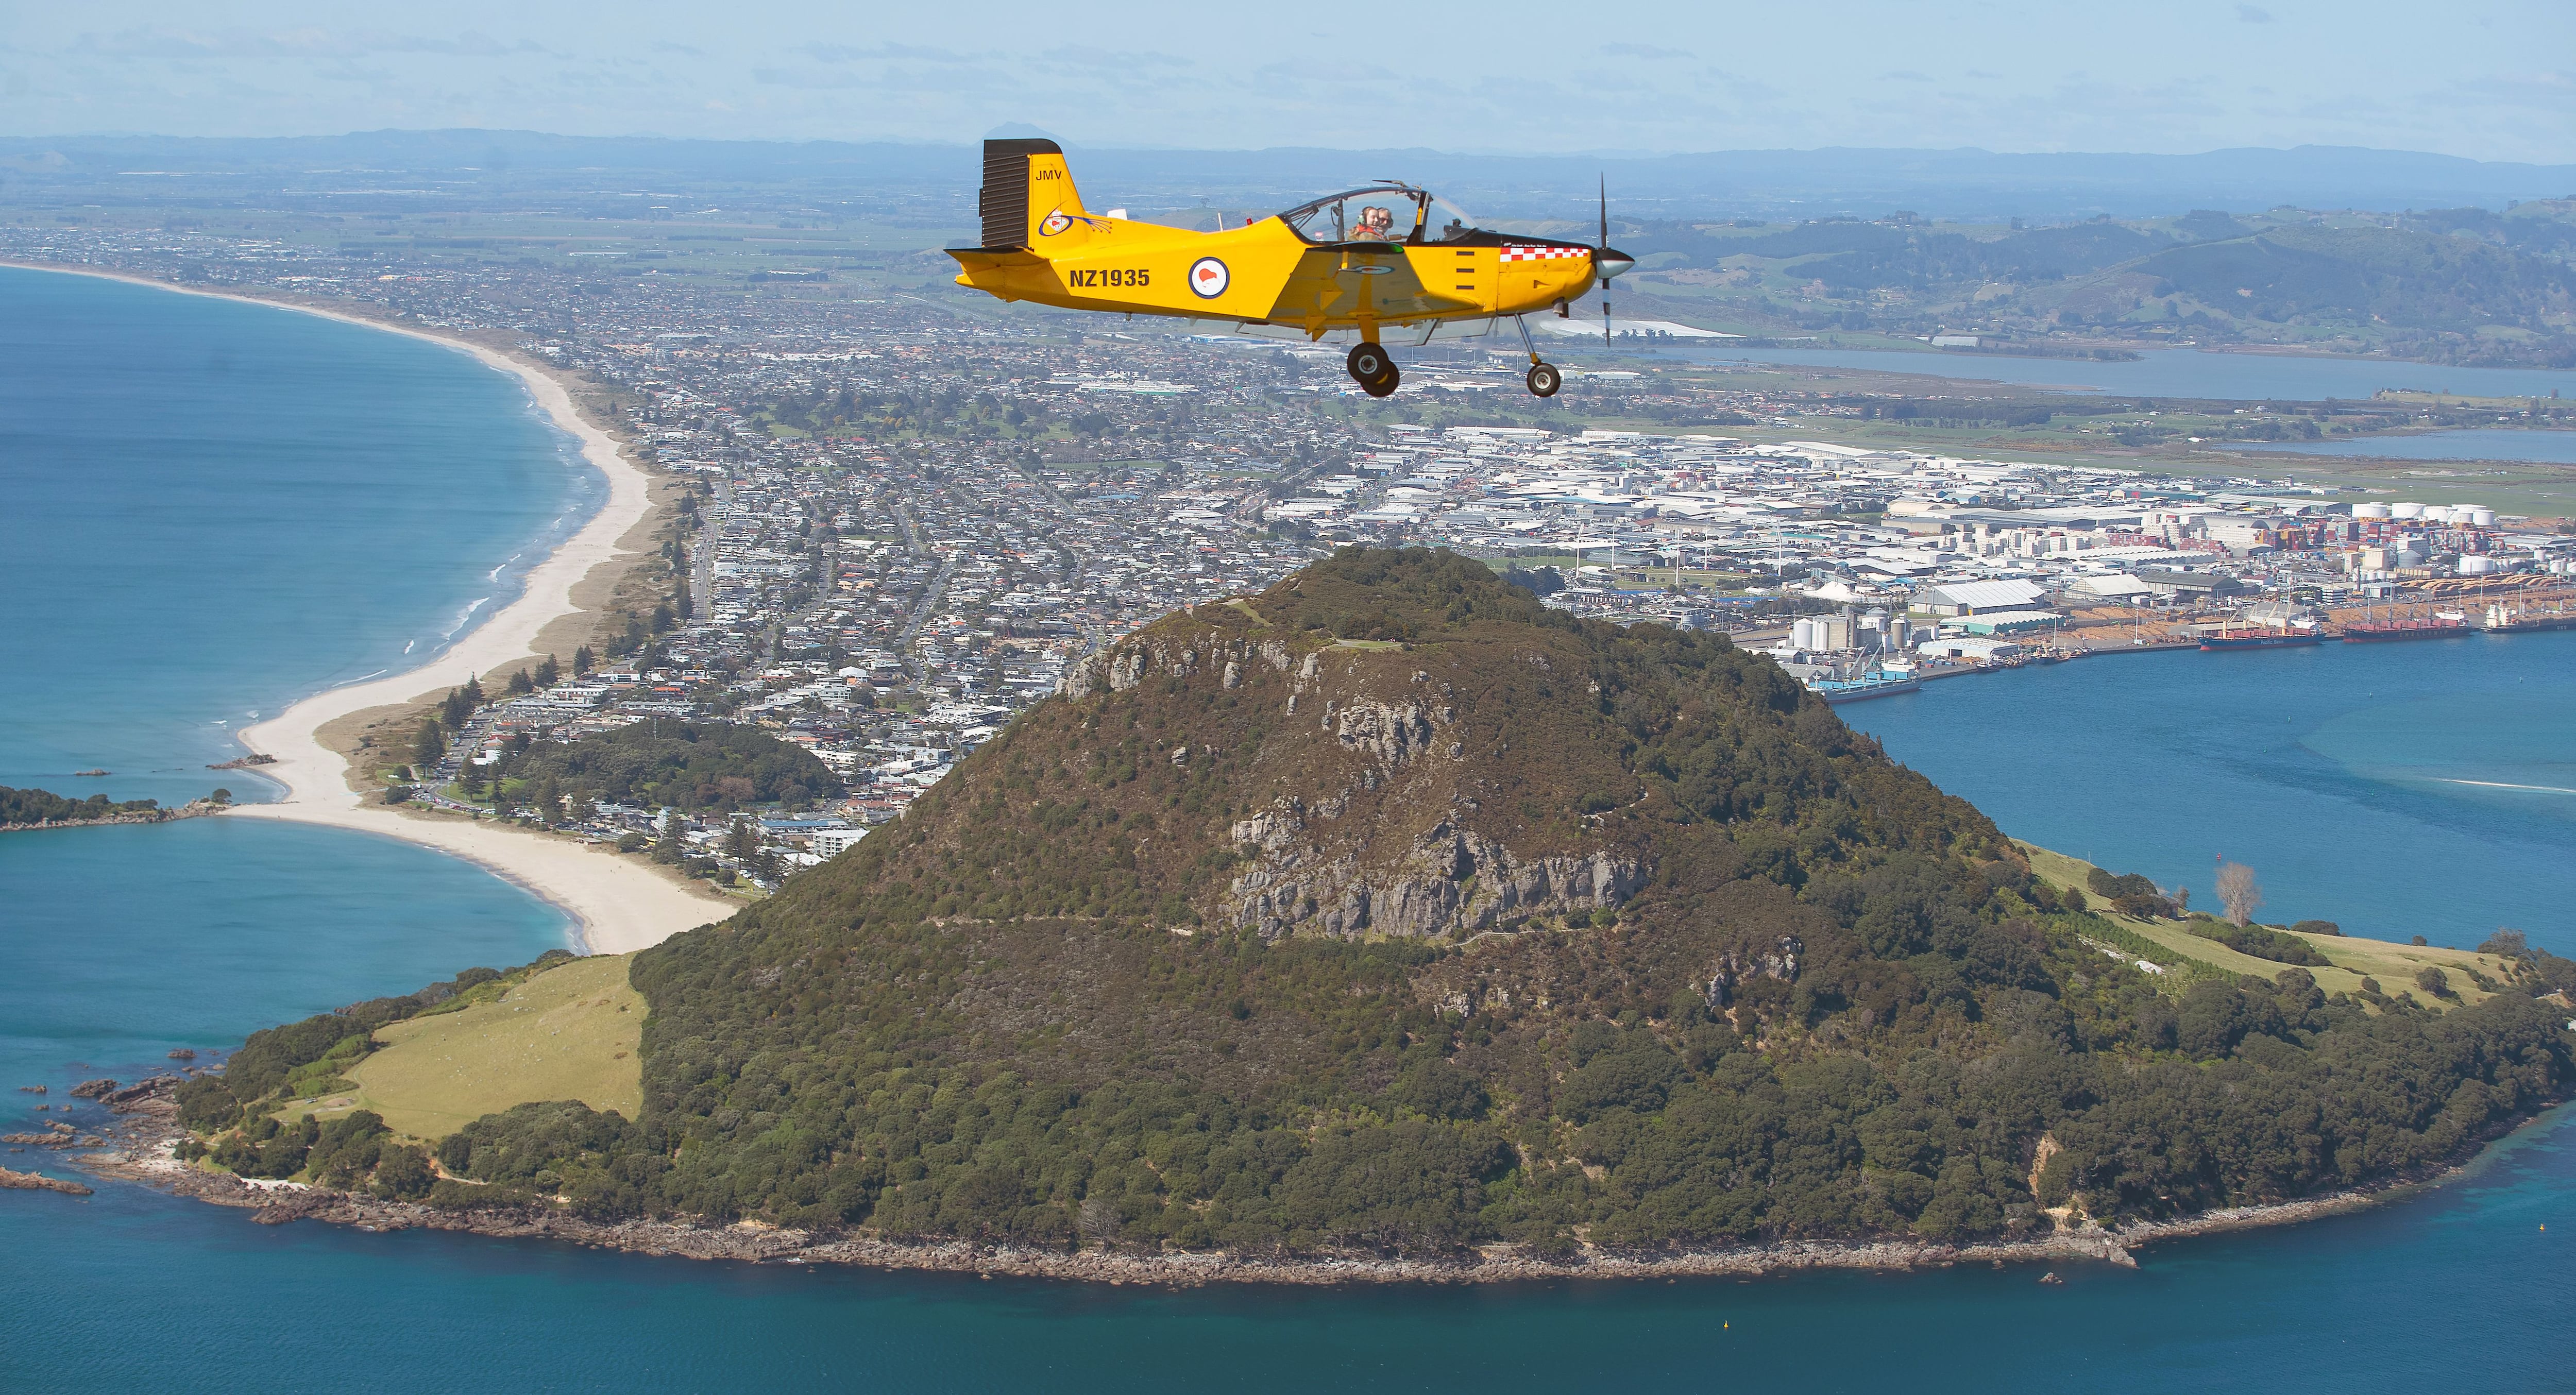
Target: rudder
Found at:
x=1025, y=182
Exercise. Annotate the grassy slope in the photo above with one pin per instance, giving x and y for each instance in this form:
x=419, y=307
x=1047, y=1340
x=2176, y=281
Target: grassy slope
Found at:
x=2393, y=964
x=570, y=1033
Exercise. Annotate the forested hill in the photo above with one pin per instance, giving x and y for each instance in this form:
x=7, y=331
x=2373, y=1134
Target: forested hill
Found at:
x=1389, y=910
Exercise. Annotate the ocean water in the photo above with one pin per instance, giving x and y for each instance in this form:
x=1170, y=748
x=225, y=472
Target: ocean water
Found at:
x=117, y=945
x=193, y=487
x=2419, y=788
x=2173, y=372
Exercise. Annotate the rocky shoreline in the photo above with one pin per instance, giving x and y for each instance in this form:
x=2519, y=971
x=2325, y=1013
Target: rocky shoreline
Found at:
x=193, y=809
x=147, y=1129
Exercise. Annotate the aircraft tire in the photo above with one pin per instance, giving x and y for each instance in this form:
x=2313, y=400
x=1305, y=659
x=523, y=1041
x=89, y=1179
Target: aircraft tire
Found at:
x=1368, y=362
x=1544, y=380
x=1384, y=386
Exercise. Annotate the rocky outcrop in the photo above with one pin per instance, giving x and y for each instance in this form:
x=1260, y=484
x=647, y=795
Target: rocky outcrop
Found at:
x=1451, y=881
x=39, y=1182
x=1121, y=667
x=1780, y=962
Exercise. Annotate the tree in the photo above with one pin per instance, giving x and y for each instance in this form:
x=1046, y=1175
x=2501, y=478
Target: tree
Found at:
x=2239, y=892
x=581, y=660
x=2506, y=943
x=548, y=672
x=2433, y=981
x=430, y=747
x=519, y=682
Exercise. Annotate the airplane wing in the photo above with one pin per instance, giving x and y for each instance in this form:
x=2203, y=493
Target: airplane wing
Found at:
x=1338, y=284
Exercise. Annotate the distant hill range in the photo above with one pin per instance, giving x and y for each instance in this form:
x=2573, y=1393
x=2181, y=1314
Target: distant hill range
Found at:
x=938, y=181
x=2453, y=285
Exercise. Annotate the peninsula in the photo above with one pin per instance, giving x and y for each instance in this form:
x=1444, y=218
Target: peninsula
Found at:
x=1385, y=923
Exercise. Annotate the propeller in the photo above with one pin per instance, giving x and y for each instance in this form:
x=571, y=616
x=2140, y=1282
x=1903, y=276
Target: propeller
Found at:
x=1607, y=264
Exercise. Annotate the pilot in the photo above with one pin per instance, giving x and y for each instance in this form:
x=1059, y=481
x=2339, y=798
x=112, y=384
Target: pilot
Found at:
x=1454, y=230
x=1377, y=224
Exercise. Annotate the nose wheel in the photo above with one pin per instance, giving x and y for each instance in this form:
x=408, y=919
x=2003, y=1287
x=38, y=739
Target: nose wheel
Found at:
x=1373, y=369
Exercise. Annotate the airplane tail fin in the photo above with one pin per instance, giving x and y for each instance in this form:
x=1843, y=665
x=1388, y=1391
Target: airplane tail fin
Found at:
x=1025, y=184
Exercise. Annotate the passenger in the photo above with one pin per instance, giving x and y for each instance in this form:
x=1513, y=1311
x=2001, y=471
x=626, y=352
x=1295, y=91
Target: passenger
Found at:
x=1377, y=224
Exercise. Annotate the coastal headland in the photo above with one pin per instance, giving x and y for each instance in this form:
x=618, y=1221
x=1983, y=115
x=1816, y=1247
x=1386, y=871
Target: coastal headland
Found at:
x=619, y=903
x=1479, y=991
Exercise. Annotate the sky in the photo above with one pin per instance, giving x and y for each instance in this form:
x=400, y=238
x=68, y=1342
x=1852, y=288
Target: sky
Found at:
x=2485, y=79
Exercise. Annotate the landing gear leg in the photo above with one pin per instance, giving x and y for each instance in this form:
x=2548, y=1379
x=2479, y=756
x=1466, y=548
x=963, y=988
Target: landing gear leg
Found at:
x=1373, y=369
x=1543, y=380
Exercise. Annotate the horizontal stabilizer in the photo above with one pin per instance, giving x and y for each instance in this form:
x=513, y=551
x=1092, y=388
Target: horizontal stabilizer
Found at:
x=984, y=258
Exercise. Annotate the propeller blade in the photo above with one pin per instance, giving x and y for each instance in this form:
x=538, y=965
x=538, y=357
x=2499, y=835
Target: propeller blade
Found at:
x=1601, y=255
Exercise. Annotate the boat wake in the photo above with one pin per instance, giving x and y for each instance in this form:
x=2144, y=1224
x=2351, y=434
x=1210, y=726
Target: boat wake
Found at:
x=2502, y=785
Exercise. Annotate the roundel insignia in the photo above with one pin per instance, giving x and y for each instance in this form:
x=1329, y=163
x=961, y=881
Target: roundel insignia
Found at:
x=1055, y=223
x=1208, y=278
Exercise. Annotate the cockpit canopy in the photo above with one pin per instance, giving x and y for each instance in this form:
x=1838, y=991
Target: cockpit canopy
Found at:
x=1387, y=212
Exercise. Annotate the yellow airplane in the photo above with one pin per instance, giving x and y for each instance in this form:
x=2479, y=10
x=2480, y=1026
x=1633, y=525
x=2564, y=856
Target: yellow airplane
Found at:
x=1384, y=257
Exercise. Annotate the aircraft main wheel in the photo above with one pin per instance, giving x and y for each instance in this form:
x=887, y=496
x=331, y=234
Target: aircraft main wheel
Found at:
x=1384, y=386
x=1369, y=362
x=1544, y=380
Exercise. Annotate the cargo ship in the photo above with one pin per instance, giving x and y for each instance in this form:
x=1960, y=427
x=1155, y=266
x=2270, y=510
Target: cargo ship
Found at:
x=2385, y=631
x=1880, y=684
x=2501, y=619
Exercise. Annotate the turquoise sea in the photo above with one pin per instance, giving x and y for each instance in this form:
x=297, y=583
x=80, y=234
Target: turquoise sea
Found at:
x=190, y=576
x=213, y=509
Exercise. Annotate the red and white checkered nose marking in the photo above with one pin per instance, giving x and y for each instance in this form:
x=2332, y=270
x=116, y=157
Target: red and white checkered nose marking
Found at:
x=1541, y=254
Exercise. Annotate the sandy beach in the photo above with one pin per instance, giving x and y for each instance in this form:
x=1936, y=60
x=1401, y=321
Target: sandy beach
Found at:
x=621, y=903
